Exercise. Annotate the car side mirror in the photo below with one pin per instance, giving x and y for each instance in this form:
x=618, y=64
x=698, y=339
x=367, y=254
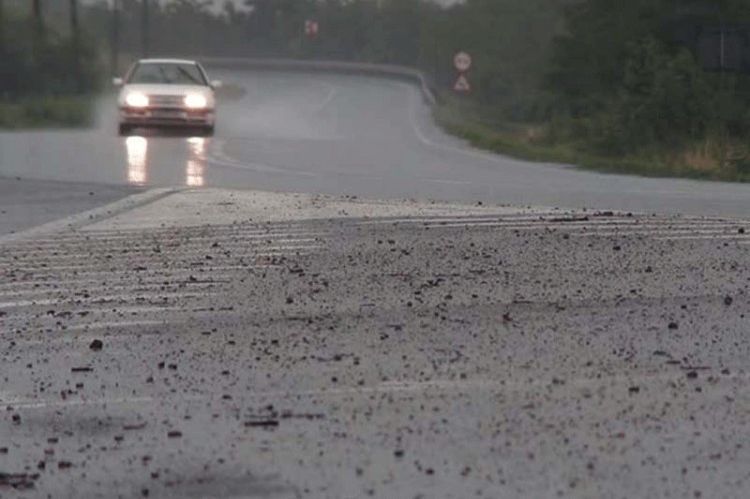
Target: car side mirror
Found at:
x=216, y=84
x=118, y=82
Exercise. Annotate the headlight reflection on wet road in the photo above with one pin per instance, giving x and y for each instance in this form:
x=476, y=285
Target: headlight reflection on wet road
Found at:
x=137, y=161
x=137, y=149
x=196, y=163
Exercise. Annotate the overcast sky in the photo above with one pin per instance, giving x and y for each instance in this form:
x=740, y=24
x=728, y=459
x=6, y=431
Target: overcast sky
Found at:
x=220, y=3
x=239, y=2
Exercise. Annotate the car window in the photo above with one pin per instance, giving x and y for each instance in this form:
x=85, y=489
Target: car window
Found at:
x=167, y=73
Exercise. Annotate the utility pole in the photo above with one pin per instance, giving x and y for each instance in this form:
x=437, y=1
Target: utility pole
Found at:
x=75, y=38
x=2, y=28
x=144, y=28
x=37, y=31
x=722, y=48
x=115, y=62
x=74, y=25
x=36, y=12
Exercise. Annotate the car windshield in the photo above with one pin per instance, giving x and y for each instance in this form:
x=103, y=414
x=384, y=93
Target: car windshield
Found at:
x=167, y=74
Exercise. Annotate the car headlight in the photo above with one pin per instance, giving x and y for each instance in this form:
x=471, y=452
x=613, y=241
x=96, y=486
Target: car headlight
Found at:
x=195, y=101
x=136, y=99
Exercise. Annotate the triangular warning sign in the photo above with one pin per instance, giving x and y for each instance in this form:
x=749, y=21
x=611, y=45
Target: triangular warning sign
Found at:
x=462, y=85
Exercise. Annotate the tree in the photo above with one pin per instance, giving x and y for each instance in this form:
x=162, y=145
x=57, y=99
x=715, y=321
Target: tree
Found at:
x=627, y=74
x=74, y=27
x=36, y=13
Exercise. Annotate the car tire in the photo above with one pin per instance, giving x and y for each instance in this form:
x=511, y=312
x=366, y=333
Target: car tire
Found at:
x=208, y=131
x=124, y=130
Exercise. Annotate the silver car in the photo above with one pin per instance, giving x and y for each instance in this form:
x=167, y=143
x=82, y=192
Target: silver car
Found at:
x=166, y=93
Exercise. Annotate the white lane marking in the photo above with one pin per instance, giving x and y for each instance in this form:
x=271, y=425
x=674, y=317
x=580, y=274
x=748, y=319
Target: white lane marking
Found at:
x=332, y=94
x=53, y=283
x=89, y=237
x=113, y=264
x=651, y=225
x=737, y=237
x=145, y=248
x=658, y=235
x=447, y=182
x=591, y=227
x=174, y=245
x=500, y=223
x=105, y=300
x=43, y=404
x=468, y=218
x=133, y=286
x=451, y=225
x=112, y=325
x=160, y=272
x=217, y=155
x=414, y=121
x=586, y=229
x=56, y=285
x=86, y=332
x=414, y=102
x=123, y=311
x=664, y=234
x=183, y=251
x=382, y=388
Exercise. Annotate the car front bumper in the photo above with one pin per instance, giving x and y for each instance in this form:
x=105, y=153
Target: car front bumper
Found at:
x=166, y=117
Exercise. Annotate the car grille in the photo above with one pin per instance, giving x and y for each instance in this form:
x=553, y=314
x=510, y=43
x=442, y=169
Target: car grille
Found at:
x=165, y=100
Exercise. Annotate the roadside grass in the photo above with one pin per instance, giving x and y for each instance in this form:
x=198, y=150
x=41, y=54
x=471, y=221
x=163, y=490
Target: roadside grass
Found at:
x=708, y=160
x=47, y=112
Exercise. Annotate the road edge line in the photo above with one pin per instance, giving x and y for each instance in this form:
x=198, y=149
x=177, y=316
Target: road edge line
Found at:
x=89, y=217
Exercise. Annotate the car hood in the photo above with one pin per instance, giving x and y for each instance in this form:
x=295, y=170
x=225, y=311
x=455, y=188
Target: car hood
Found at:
x=179, y=90
x=168, y=90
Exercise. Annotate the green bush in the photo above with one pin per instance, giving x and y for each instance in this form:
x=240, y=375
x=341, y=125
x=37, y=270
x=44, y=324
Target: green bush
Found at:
x=626, y=83
x=31, y=112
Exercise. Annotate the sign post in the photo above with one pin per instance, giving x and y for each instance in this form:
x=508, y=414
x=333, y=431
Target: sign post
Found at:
x=462, y=61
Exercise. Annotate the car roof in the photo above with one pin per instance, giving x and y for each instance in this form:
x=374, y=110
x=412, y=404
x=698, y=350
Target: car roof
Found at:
x=166, y=61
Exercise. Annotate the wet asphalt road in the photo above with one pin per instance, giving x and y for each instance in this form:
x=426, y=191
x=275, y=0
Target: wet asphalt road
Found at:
x=318, y=133
x=29, y=203
x=508, y=354
x=527, y=355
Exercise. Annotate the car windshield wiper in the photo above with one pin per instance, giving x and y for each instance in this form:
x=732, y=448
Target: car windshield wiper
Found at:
x=164, y=76
x=190, y=77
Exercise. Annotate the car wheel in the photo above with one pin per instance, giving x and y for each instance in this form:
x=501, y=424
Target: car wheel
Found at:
x=208, y=131
x=124, y=130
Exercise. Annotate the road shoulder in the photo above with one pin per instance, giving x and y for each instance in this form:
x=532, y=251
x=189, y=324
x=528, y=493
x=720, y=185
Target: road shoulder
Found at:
x=29, y=203
x=29, y=208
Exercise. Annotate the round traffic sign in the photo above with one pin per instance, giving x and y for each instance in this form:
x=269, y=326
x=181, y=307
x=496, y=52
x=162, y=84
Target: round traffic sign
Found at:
x=462, y=61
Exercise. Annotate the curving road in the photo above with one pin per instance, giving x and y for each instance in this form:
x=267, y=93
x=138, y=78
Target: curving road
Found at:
x=227, y=343
x=339, y=134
